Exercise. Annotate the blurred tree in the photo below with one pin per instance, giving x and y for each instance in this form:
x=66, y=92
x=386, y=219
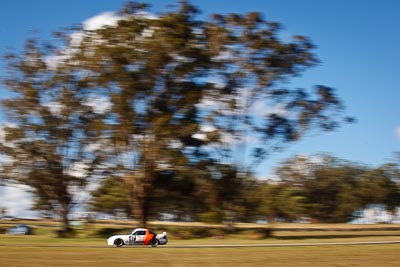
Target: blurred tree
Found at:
x=282, y=201
x=184, y=90
x=111, y=197
x=248, y=201
x=329, y=186
x=52, y=133
x=181, y=92
x=380, y=186
x=291, y=204
x=232, y=198
x=228, y=188
x=152, y=69
x=268, y=209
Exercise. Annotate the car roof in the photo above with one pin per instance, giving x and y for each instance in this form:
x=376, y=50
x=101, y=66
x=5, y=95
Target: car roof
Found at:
x=140, y=229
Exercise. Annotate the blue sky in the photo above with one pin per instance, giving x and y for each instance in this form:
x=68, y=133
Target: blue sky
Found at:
x=358, y=45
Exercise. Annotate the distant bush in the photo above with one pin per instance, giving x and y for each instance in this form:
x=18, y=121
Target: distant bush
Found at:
x=190, y=232
x=211, y=217
x=264, y=232
x=69, y=233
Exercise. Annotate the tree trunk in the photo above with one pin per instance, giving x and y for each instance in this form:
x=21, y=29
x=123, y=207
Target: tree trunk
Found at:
x=142, y=185
x=141, y=203
x=66, y=230
x=140, y=210
x=144, y=211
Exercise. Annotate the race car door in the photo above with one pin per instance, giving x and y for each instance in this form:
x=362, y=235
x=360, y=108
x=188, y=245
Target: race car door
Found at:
x=139, y=237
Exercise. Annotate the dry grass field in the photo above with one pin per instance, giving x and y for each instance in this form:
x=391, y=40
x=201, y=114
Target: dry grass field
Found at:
x=44, y=249
x=362, y=255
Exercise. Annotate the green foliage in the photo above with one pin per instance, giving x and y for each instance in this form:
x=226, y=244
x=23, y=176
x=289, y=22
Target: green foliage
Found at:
x=378, y=186
x=48, y=131
x=282, y=201
x=111, y=197
x=211, y=217
x=332, y=189
x=181, y=93
x=159, y=73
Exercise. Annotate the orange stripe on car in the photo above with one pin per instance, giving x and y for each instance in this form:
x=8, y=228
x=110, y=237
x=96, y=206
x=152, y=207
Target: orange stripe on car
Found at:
x=148, y=238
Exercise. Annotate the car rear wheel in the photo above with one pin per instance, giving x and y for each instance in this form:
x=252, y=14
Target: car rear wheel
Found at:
x=118, y=242
x=154, y=243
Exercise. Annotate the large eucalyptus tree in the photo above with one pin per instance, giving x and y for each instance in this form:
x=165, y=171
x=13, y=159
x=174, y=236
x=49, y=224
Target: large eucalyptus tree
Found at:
x=182, y=92
x=52, y=133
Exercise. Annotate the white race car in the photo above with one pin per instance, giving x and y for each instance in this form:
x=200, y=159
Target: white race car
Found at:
x=139, y=236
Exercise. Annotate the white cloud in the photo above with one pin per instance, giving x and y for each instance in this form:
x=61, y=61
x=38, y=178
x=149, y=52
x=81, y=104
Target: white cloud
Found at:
x=78, y=169
x=147, y=33
x=5, y=159
x=54, y=107
x=91, y=24
x=208, y=103
x=101, y=20
x=53, y=61
x=17, y=201
x=3, y=135
x=397, y=132
x=92, y=147
x=261, y=108
x=207, y=128
x=99, y=104
x=76, y=38
x=175, y=144
x=146, y=15
x=223, y=56
x=200, y=136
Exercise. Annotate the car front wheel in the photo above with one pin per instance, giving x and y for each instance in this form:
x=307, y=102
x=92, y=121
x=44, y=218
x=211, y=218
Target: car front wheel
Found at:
x=154, y=243
x=118, y=242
